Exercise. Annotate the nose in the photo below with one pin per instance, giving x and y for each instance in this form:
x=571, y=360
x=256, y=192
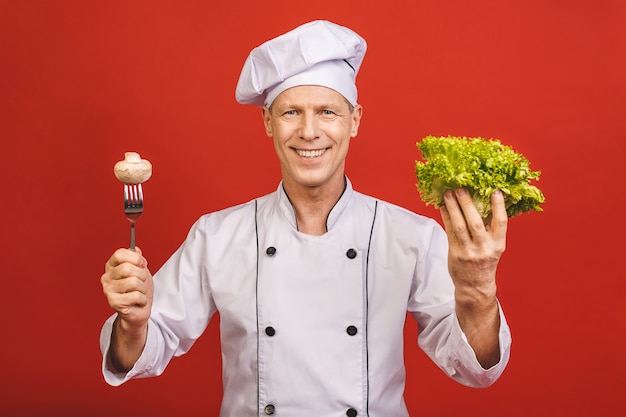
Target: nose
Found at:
x=309, y=126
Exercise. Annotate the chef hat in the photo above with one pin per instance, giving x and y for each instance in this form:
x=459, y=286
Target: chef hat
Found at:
x=316, y=53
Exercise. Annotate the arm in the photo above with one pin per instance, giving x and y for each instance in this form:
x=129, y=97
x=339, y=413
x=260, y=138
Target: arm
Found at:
x=128, y=287
x=474, y=252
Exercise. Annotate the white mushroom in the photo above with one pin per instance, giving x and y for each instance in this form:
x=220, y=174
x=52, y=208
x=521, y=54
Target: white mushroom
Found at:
x=133, y=169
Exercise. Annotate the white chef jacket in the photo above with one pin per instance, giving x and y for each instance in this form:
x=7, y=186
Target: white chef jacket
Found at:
x=310, y=325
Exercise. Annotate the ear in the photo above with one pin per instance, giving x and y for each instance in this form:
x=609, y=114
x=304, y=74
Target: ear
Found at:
x=357, y=113
x=267, y=115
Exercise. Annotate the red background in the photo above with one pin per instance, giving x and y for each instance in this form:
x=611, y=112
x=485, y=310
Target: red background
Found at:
x=81, y=82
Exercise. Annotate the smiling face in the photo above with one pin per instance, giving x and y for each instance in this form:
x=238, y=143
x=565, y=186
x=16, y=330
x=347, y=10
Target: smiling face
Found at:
x=311, y=127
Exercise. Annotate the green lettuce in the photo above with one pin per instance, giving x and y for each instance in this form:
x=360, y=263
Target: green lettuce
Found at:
x=481, y=166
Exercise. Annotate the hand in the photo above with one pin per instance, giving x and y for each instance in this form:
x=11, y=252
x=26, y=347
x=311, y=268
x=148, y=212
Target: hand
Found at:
x=128, y=287
x=474, y=249
x=473, y=255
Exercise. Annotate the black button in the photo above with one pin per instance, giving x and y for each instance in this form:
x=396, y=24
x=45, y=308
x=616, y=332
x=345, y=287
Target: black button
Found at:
x=271, y=251
x=270, y=331
x=351, y=253
x=270, y=409
x=351, y=412
x=351, y=330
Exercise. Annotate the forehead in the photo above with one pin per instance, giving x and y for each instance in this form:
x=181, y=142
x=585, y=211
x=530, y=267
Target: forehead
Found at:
x=310, y=95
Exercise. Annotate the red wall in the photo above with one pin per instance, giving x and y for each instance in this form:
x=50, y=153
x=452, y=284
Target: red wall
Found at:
x=81, y=82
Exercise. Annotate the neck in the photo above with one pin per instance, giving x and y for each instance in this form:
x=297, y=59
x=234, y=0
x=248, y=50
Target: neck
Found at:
x=313, y=204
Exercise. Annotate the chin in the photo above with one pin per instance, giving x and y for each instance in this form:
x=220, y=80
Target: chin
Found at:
x=316, y=180
x=309, y=180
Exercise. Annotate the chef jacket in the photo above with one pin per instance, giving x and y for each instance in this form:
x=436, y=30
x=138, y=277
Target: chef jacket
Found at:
x=310, y=325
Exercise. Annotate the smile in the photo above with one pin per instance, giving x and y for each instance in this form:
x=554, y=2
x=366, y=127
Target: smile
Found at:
x=310, y=153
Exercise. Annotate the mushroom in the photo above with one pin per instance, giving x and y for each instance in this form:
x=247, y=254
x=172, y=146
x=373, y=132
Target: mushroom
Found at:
x=133, y=169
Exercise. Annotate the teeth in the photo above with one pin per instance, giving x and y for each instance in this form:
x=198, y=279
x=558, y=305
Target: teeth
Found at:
x=310, y=154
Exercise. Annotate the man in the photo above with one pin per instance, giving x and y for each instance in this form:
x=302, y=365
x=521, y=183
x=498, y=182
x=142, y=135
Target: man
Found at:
x=313, y=281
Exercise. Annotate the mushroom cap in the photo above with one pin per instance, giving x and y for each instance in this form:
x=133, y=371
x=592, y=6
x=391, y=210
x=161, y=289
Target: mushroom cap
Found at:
x=133, y=169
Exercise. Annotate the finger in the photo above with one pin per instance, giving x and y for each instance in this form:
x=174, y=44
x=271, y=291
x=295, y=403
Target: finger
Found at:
x=445, y=214
x=123, y=272
x=126, y=271
x=126, y=285
x=473, y=219
x=122, y=302
x=127, y=293
x=112, y=285
x=123, y=255
x=453, y=218
x=499, y=221
x=445, y=217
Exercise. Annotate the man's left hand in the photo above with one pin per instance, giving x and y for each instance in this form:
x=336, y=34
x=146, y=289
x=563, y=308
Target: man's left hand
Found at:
x=473, y=256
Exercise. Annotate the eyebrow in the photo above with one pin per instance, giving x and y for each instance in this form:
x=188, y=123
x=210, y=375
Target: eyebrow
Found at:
x=337, y=107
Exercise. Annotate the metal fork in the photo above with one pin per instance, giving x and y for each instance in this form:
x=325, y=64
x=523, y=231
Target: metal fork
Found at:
x=133, y=207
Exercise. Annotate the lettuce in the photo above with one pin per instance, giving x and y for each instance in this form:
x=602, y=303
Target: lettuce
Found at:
x=481, y=166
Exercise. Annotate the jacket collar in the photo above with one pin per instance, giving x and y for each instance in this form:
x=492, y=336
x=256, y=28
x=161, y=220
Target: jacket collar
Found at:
x=285, y=208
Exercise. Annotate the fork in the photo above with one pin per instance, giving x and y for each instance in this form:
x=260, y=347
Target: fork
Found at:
x=133, y=208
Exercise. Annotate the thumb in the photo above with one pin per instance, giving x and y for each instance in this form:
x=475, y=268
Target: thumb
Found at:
x=143, y=262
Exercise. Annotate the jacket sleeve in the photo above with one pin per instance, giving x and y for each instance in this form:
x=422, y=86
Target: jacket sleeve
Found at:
x=181, y=311
x=439, y=333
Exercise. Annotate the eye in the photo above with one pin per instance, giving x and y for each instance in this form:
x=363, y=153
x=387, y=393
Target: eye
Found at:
x=290, y=113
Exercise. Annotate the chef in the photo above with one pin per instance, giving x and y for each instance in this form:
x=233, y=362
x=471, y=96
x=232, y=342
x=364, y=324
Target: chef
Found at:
x=313, y=281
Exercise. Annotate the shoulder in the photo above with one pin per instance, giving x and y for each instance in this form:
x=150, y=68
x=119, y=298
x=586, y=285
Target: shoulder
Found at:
x=395, y=212
x=233, y=217
x=401, y=223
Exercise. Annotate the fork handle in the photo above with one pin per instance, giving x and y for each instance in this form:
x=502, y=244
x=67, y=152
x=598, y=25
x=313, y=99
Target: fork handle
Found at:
x=132, y=236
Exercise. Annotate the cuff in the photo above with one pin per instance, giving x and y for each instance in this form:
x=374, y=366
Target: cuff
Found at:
x=465, y=357
x=142, y=366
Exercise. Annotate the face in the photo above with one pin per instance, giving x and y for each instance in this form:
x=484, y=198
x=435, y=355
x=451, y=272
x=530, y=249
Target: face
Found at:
x=311, y=127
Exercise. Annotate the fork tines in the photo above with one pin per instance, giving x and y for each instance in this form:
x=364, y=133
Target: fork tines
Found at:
x=133, y=196
x=133, y=207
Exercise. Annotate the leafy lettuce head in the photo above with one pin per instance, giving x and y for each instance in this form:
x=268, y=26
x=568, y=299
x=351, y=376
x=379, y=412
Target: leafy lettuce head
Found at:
x=481, y=166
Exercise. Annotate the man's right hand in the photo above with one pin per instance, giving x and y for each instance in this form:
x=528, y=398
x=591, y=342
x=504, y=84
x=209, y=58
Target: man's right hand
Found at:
x=128, y=287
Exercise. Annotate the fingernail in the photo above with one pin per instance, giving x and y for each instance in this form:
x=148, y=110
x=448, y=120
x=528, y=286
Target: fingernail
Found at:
x=447, y=195
x=461, y=192
x=497, y=193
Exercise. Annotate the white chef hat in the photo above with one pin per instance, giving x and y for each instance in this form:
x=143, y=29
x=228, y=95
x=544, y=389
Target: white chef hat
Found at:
x=316, y=53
